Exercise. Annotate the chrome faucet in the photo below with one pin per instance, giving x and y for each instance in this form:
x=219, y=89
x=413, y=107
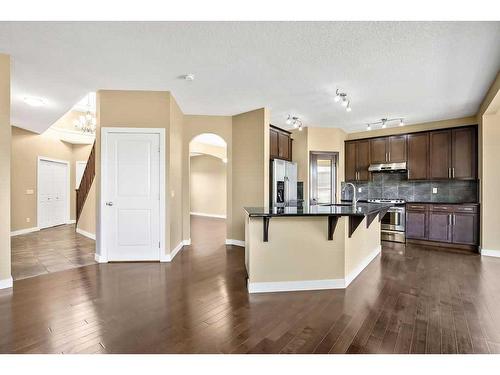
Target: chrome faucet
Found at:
x=354, y=198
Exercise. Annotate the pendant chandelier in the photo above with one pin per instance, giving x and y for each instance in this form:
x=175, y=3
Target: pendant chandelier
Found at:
x=86, y=123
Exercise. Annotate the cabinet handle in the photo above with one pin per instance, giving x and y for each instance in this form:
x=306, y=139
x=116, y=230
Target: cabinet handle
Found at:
x=389, y=157
x=453, y=172
x=454, y=219
x=449, y=172
x=449, y=220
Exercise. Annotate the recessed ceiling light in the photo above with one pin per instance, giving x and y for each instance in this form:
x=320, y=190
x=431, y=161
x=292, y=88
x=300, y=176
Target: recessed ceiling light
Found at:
x=34, y=101
x=189, y=77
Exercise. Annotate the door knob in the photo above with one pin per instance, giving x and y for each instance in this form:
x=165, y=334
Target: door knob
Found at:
x=109, y=203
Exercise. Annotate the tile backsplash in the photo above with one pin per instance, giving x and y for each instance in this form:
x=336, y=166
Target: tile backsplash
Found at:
x=396, y=185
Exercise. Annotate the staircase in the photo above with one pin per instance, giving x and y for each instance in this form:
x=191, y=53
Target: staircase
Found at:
x=86, y=183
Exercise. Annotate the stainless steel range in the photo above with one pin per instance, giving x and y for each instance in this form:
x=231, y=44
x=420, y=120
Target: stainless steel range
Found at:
x=393, y=224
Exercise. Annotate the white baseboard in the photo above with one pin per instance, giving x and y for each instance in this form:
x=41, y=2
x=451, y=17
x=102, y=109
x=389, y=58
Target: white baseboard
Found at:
x=100, y=259
x=24, y=231
x=71, y=222
x=354, y=273
x=173, y=253
x=85, y=233
x=288, y=286
x=208, y=215
x=6, y=283
x=186, y=242
x=235, y=242
x=490, y=253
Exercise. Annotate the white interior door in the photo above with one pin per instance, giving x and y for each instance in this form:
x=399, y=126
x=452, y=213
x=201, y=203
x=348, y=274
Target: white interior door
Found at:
x=52, y=193
x=132, y=196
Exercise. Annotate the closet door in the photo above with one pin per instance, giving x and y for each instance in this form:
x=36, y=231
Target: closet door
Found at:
x=52, y=193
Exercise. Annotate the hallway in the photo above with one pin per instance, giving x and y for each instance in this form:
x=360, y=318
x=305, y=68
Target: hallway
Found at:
x=412, y=300
x=50, y=250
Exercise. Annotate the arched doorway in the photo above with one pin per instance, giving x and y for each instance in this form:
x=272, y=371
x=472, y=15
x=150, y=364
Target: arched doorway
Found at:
x=208, y=188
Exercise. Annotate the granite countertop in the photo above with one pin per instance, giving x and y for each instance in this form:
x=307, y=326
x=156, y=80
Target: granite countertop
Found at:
x=443, y=202
x=361, y=209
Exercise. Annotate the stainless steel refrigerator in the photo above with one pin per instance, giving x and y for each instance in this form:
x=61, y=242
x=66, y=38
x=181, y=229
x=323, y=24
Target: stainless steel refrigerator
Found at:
x=283, y=183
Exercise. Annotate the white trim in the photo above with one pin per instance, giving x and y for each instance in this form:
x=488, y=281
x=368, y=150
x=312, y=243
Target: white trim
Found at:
x=173, y=253
x=100, y=259
x=235, y=242
x=24, y=231
x=6, y=283
x=287, y=286
x=68, y=183
x=208, y=215
x=105, y=131
x=490, y=253
x=85, y=233
x=354, y=273
x=69, y=222
x=186, y=242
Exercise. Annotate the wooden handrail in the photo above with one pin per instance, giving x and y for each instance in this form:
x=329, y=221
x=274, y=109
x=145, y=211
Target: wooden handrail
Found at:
x=86, y=183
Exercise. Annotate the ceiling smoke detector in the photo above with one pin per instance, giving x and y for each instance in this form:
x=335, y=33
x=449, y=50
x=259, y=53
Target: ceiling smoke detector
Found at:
x=188, y=77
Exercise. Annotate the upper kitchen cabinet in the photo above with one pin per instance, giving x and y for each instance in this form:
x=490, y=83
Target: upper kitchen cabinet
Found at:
x=464, y=154
x=357, y=160
x=280, y=144
x=388, y=149
x=453, y=154
x=418, y=156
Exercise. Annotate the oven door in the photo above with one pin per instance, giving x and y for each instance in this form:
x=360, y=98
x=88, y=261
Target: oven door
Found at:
x=394, y=219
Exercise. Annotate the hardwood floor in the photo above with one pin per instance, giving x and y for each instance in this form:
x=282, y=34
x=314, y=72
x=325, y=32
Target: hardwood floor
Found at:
x=50, y=250
x=409, y=300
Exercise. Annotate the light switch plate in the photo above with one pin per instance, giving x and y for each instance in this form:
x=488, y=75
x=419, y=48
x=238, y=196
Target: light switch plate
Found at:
x=29, y=191
x=28, y=219
x=359, y=190
x=434, y=190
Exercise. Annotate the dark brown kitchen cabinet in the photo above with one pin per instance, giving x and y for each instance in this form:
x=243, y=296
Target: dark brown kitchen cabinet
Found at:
x=463, y=154
x=464, y=228
x=450, y=225
x=388, y=149
x=280, y=144
x=440, y=155
x=357, y=160
x=363, y=160
x=453, y=154
x=439, y=226
x=416, y=224
x=378, y=150
x=418, y=156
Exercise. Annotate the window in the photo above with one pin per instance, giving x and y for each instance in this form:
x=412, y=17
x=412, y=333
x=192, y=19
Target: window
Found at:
x=323, y=171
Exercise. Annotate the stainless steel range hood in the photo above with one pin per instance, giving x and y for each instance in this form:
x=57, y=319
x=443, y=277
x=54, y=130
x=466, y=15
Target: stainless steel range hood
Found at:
x=387, y=167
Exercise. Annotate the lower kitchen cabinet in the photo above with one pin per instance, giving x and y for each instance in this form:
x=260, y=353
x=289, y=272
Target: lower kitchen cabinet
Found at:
x=416, y=225
x=439, y=226
x=443, y=225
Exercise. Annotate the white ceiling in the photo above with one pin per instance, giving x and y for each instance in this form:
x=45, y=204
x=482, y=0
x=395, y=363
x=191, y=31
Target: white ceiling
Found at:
x=421, y=71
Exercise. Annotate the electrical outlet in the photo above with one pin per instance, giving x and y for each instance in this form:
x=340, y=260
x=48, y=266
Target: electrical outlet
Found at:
x=28, y=219
x=434, y=190
x=360, y=189
x=29, y=191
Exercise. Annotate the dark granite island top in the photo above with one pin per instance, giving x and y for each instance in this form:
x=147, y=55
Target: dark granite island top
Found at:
x=341, y=209
x=356, y=214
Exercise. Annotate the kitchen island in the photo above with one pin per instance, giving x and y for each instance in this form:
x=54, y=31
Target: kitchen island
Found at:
x=314, y=247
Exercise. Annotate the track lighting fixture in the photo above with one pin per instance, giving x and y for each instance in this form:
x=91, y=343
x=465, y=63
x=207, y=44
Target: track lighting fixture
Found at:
x=384, y=122
x=295, y=121
x=343, y=99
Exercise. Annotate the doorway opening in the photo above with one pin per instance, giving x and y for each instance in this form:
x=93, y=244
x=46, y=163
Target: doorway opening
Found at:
x=208, y=188
x=323, y=172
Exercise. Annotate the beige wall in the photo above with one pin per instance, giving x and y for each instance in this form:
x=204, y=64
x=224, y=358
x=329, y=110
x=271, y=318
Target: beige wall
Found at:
x=208, y=185
x=317, y=139
x=26, y=148
x=147, y=109
x=489, y=135
x=193, y=126
x=203, y=148
x=472, y=120
x=250, y=166
x=66, y=121
x=87, y=217
x=5, y=137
